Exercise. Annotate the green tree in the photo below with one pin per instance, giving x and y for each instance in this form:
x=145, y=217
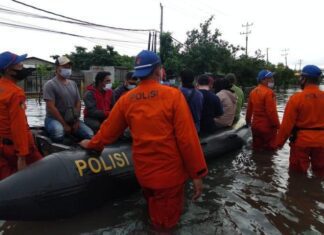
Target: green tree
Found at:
x=170, y=54
x=204, y=51
x=99, y=56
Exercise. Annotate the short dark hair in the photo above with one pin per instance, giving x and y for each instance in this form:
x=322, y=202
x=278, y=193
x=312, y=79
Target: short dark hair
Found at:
x=204, y=79
x=231, y=77
x=187, y=76
x=312, y=80
x=101, y=76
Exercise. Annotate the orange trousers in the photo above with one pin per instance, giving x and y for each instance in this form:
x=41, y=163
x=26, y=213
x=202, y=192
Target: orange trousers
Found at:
x=302, y=157
x=165, y=206
x=8, y=159
x=263, y=139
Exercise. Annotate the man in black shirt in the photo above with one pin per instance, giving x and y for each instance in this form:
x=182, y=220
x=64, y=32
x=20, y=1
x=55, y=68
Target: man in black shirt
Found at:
x=212, y=106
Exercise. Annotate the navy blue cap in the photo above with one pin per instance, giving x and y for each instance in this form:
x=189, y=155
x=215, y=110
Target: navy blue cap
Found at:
x=263, y=74
x=8, y=58
x=145, y=62
x=311, y=71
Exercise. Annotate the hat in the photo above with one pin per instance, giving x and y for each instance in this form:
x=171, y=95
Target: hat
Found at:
x=62, y=60
x=145, y=62
x=311, y=71
x=263, y=74
x=8, y=58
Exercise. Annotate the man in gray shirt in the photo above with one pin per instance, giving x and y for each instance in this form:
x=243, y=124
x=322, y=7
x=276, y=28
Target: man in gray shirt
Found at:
x=63, y=104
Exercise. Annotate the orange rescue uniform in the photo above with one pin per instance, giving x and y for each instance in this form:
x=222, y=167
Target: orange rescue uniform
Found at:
x=304, y=111
x=166, y=148
x=15, y=136
x=262, y=115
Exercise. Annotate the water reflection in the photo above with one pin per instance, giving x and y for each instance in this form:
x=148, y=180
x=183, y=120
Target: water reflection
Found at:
x=246, y=193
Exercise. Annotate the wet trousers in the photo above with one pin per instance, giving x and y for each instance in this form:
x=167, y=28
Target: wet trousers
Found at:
x=302, y=157
x=8, y=159
x=263, y=139
x=165, y=206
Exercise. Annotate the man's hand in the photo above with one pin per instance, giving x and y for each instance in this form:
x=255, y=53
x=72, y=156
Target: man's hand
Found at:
x=198, y=187
x=84, y=143
x=67, y=129
x=21, y=163
x=75, y=126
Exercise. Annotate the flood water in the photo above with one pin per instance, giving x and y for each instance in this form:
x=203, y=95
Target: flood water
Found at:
x=245, y=193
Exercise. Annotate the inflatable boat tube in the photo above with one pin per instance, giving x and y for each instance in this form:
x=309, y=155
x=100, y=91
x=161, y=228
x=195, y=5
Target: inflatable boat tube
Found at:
x=71, y=180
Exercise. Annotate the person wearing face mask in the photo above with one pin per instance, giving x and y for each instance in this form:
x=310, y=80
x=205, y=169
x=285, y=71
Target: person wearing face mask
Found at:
x=17, y=147
x=165, y=146
x=304, y=120
x=63, y=105
x=98, y=101
x=262, y=113
x=129, y=84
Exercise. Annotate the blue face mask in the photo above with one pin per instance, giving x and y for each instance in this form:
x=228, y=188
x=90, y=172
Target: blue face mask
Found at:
x=130, y=87
x=271, y=84
x=66, y=73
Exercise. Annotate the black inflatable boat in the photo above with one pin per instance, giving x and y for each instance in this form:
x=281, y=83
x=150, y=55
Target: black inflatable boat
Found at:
x=70, y=180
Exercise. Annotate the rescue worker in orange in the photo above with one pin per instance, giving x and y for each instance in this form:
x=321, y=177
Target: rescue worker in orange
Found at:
x=262, y=114
x=166, y=148
x=17, y=147
x=304, y=120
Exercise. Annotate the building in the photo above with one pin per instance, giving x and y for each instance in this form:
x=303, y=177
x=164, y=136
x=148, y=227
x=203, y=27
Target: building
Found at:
x=44, y=70
x=118, y=73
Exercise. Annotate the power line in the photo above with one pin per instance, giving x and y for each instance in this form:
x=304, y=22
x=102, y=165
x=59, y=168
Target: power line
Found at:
x=82, y=21
x=63, y=33
x=28, y=14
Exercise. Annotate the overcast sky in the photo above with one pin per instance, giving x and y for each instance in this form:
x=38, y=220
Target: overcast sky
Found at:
x=277, y=25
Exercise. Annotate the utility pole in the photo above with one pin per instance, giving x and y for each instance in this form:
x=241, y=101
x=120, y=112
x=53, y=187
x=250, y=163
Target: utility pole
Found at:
x=246, y=33
x=285, y=53
x=161, y=24
x=300, y=63
x=267, y=55
x=149, y=42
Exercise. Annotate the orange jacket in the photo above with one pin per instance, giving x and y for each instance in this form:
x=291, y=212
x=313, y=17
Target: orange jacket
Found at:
x=166, y=148
x=304, y=110
x=262, y=109
x=13, y=121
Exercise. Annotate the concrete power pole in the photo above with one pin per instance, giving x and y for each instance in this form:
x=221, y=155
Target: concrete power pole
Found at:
x=161, y=24
x=300, y=63
x=267, y=55
x=246, y=33
x=285, y=53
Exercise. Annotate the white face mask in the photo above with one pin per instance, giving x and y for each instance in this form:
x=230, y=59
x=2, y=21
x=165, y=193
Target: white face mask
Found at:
x=108, y=86
x=271, y=84
x=172, y=81
x=130, y=87
x=66, y=73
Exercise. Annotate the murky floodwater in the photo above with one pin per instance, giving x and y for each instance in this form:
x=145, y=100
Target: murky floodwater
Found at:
x=245, y=193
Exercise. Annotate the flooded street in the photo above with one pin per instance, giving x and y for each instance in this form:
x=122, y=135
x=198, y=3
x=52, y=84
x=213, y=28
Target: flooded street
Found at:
x=245, y=193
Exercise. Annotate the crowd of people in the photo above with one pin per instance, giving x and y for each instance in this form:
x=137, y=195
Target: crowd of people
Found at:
x=165, y=122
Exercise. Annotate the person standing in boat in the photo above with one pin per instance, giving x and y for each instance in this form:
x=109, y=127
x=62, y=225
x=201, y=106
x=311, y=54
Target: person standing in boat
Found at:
x=17, y=146
x=129, y=84
x=63, y=105
x=262, y=114
x=304, y=120
x=212, y=106
x=98, y=101
x=193, y=96
x=239, y=93
x=166, y=148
